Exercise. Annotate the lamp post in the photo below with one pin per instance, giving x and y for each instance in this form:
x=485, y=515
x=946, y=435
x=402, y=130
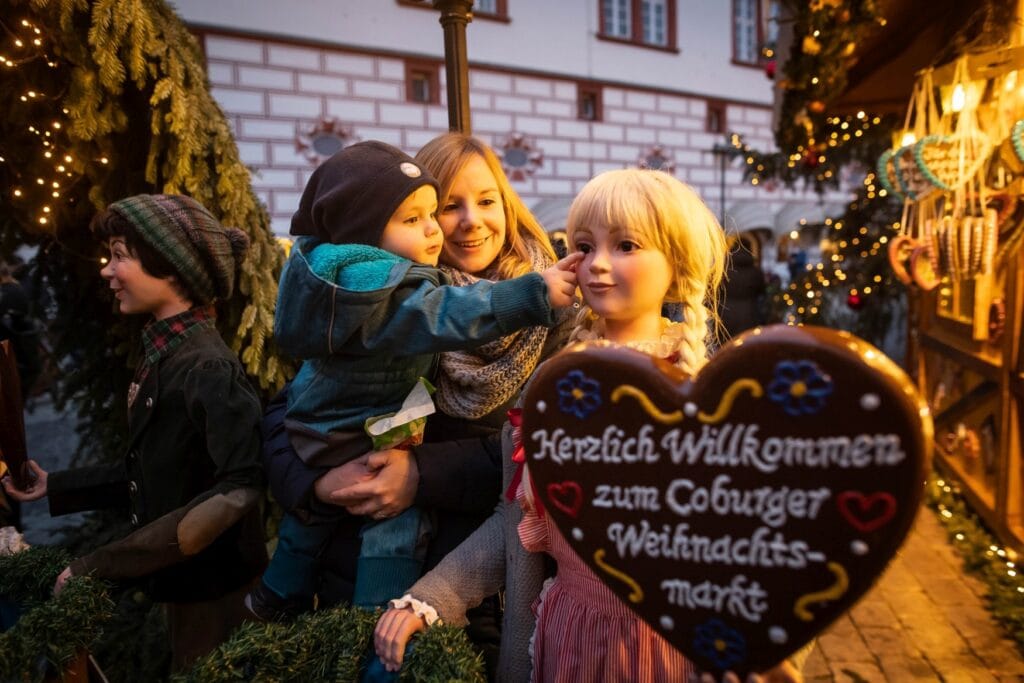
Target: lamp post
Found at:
x=455, y=14
x=725, y=154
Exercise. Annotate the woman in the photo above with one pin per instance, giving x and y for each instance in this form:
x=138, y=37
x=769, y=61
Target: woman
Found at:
x=489, y=233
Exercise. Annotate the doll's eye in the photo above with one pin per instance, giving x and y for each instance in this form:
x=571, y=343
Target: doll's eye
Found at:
x=627, y=245
x=584, y=247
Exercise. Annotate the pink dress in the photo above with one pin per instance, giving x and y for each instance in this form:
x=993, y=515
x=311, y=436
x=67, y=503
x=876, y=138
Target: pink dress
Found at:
x=584, y=632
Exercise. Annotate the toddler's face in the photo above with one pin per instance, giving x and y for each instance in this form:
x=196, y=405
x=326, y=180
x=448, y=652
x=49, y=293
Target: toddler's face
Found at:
x=413, y=232
x=622, y=276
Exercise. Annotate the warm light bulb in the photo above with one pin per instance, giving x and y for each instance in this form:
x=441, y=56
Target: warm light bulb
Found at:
x=959, y=98
x=908, y=139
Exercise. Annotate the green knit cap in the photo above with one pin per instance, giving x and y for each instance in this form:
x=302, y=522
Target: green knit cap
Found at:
x=204, y=254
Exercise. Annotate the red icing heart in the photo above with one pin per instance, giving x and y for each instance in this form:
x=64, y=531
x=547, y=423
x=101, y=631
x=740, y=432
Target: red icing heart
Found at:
x=567, y=497
x=862, y=518
x=728, y=510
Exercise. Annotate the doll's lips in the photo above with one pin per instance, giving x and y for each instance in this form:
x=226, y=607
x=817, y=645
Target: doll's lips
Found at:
x=599, y=287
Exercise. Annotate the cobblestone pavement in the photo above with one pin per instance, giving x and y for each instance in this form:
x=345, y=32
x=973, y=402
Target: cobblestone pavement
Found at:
x=925, y=620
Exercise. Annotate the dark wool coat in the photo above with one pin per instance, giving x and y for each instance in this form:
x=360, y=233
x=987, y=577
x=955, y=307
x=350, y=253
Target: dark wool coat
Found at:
x=189, y=482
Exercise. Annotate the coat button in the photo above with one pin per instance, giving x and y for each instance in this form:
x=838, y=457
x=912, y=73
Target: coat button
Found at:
x=132, y=457
x=133, y=488
x=149, y=401
x=134, y=519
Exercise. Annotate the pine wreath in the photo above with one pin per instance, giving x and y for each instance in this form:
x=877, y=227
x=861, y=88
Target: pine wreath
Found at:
x=331, y=645
x=51, y=630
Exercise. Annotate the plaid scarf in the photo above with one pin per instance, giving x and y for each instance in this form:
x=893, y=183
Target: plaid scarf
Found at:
x=471, y=384
x=161, y=337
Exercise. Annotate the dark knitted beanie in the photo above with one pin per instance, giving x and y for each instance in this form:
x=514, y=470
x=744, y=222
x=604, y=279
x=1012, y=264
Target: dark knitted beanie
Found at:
x=350, y=198
x=204, y=254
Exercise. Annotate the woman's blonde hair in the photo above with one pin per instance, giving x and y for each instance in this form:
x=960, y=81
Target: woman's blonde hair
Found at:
x=669, y=216
x=445, y=156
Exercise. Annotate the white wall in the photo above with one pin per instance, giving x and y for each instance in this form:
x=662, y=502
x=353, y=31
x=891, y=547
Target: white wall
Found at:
x=556, y=37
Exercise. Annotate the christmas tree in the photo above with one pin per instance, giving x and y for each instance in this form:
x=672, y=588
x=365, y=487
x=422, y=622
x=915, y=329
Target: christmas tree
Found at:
x=106, y=99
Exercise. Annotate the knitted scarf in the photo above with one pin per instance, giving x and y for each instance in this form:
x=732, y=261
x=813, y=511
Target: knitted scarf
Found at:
x=471, y=384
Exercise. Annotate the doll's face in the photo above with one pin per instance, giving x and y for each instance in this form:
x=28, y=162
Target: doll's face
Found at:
x=473, y=219
x=622, y=276
x=413, y=232
x=136, y=290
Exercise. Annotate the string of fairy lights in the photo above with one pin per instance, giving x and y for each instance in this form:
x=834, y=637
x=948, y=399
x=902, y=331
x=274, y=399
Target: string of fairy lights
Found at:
x=40, y=173
x=999, y=561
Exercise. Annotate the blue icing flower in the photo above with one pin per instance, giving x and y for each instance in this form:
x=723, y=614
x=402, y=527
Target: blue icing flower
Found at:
x=723, y=646
x=578, y=394
x=800, y=387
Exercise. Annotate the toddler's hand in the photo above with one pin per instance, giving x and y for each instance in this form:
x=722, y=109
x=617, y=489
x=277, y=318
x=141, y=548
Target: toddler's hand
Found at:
x=392, y=634
x=561, y=280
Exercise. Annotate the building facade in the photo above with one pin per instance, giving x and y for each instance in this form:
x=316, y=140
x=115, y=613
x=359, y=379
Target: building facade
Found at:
x=562, y=91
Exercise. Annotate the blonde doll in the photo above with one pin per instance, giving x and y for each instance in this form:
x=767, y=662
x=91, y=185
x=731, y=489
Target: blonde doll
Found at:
x=647, y=239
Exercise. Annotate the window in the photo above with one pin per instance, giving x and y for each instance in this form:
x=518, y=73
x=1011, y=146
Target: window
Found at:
x=715, y=121
x=643, y=22
x=754, y=23
x=490, y=8
x=494, y=10
x=588, y=101
x=422, y=83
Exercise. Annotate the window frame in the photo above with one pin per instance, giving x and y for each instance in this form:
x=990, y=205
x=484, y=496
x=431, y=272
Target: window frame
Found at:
x=584, y=89
x=721, y=108
x=761, y=18
x=500, y=15
x=637, y=29
x=426, y=67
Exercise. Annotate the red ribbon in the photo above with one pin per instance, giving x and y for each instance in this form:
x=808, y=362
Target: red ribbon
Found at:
x=515, y=418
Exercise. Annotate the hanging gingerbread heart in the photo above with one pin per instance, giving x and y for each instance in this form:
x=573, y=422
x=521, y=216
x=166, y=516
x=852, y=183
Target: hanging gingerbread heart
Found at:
x=741, y=512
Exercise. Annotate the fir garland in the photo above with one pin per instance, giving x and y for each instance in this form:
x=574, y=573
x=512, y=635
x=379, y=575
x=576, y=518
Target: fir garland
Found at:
x=51, y=631
x=983, y=556
x=331, y=645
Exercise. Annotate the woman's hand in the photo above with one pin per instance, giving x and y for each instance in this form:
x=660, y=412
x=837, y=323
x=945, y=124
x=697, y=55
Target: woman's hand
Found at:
x=392, y=634
x=35, y=490
x=561, y=280
x=62, y=579
x=389, y=490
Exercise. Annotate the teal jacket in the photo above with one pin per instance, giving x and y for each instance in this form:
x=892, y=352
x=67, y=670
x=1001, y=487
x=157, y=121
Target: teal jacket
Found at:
x=367, y=324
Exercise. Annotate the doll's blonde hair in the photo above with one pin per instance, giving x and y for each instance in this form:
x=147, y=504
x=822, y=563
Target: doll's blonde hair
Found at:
x=667, y=215
x=445, y=156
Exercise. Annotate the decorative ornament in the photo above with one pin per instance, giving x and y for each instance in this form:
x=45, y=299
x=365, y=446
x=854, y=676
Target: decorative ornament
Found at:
x=672, y=458
x=810, y=45
x=996, y=320
x=816, y=106
x=811, y=159
x=769, y=69
x=655, y=158
x=855, y=301
x=520, y=157
x=326, y=138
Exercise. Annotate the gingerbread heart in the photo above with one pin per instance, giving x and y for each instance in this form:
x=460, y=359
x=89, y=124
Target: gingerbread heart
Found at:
x=742, y=511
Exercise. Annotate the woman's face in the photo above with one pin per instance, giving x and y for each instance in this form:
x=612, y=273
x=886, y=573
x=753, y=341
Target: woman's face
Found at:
x=473, y=219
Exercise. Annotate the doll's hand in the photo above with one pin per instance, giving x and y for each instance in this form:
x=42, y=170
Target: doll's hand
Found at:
x=561, y=280
x=35, y=490
x=392, y=634
x=389, y=492
x=62, y=579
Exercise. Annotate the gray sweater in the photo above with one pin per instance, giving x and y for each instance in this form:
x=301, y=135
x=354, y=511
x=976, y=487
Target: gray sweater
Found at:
x=490, y=558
